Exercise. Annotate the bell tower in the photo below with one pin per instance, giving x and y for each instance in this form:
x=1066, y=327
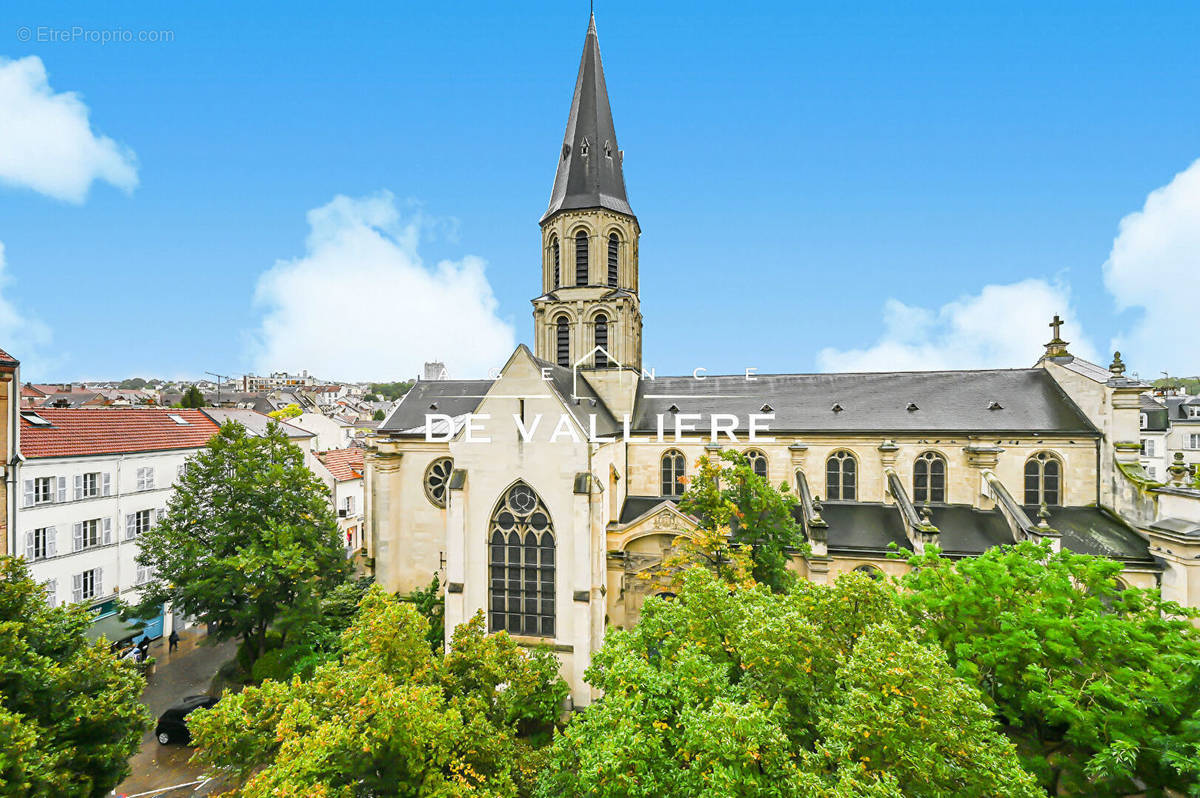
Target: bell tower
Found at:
x=589, y=238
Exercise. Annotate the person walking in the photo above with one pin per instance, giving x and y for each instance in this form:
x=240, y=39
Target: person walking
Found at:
x=173, y=641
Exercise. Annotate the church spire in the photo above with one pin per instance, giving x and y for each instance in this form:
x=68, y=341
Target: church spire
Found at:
x=589, y=166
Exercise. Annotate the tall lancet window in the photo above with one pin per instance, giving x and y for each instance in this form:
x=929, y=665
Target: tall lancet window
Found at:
x=602, y=340
x=614, y=244
x=674, y=466
x=521, y=562
x=562, y=341
x=1043, y=480
x=841, y=471
x=581, y=258
x=554, y=253
x=929, y=478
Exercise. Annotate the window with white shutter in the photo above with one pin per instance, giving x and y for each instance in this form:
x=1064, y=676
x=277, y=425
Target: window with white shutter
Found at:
x=137, y=523
x=106, y=484
x=62, y=489
x=51, y=541
x=144, y=574
x=39, y=490
x=130, y=526
x=159, y=515
x=77, y=537
x=51, y=586
x=150, y=478
x=78, y=487
x=39, y=543
x=92, y=532
x=77, y=588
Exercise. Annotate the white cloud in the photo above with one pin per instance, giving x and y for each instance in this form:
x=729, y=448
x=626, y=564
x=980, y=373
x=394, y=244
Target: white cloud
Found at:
x=1155, y=265
x=24, y=338
x=361, y=304
x=46, y=141
x=1003, y=326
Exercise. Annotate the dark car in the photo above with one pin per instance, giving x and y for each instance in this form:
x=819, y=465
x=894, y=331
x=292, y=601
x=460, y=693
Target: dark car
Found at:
x=172, y=724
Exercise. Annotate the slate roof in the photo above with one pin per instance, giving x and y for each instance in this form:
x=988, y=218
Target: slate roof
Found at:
x=1029, y=401
x=74, y=432
x=447, y=397
x=589, y=175
x=344, y=464
x=1092, y=530
x=254, y=421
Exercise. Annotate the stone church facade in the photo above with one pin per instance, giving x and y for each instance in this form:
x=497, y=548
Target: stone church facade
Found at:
x=539, y=497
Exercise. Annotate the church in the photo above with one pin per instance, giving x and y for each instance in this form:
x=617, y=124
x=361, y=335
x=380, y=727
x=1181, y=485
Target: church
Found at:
x=540, y=496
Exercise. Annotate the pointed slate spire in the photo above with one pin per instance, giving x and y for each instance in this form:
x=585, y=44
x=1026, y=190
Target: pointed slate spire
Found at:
x=589, y=165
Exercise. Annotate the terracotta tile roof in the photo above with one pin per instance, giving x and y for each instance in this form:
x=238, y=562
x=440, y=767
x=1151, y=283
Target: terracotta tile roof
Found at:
x=29, y=390
x=7, y=360
x=73, y=432
x=344, y=464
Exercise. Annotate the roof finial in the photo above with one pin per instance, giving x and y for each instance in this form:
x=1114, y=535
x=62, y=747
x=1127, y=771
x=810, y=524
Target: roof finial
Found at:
x=1056, y=347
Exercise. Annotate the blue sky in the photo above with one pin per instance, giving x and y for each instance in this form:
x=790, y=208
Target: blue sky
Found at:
x=819, y=186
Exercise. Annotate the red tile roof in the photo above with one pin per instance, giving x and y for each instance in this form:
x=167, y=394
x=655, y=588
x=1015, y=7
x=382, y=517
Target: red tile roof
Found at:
x=75, y=431
x=7, y=360
x=344, y=464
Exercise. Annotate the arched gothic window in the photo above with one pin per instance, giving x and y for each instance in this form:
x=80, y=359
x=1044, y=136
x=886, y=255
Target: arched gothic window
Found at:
x=841, y=472
x=521, y=560
x=674, y=466
x=562, y=340
x=1043, y=480
x=929, y=478
x=757, y=461
x=870, y=570
x=581, y=258
x=601, y=325
x=613, y=245
x=554, y=253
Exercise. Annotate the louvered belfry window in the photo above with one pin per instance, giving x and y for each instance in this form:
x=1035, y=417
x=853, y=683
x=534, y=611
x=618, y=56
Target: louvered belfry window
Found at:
x=521, y=565
x=562, y=332
x=613, y=247
x=554, y=253
x=602, y=341
x=581, y=258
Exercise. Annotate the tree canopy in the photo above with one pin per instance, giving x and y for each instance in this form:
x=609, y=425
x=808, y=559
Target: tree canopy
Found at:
x=388, y=716
x=193, y=398
x=248, y=531
x=70, y=713
x=746, y=692
x=1098, y=686
x=729, y=498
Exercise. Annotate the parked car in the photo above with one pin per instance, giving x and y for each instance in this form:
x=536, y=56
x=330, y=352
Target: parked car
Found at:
x=172, y=724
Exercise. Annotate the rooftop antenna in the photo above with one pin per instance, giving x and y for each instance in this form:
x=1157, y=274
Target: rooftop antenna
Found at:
x=219, y=378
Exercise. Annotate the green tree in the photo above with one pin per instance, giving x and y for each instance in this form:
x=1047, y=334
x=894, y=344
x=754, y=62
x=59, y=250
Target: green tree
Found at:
x=284, y=413
x=390, y=390
x=379, y=415
x=726, y=494
x=388, y=717
x=134, y=384
x=70, y=713
x=193, y=398
x=1098, y=686
x=248, y=532
x=746, y=692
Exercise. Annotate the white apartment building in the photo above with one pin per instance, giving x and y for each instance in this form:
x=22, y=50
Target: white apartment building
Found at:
x=91, y=481
x=342, y=471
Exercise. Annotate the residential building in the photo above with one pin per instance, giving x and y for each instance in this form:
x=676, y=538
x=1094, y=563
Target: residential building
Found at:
x=91, y=482
x=1153, y=421
x=278, y=379
x=342, y=472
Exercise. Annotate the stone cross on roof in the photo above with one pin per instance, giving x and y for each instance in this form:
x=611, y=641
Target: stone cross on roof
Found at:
x=1056, y=347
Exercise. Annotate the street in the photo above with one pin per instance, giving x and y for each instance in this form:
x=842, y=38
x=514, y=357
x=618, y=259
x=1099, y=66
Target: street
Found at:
x=186, y=671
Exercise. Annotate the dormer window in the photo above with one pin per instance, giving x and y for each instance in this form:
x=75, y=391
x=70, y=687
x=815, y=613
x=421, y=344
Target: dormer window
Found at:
x=583, y=147
x=608, y=150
